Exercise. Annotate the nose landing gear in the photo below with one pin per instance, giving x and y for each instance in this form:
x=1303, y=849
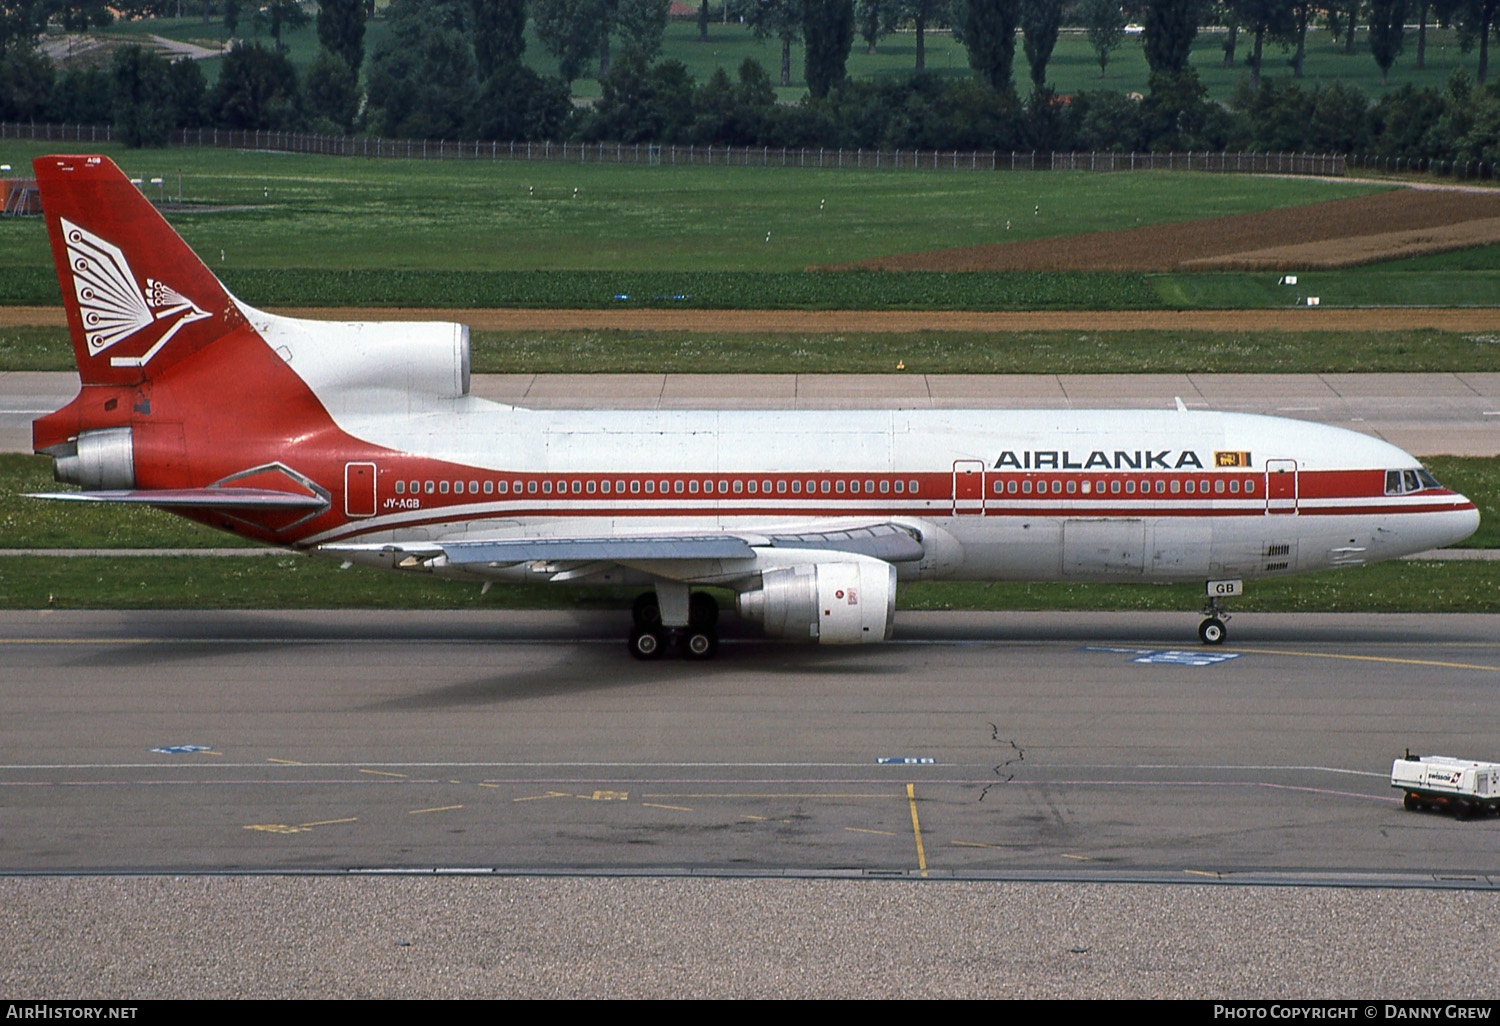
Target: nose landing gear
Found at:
x=1212, y=630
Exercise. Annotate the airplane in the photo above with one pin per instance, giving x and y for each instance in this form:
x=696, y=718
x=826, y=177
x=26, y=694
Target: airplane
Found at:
x=361, y=443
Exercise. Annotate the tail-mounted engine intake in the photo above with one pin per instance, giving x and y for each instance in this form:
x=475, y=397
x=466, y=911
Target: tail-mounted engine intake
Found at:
x=846, y=603
x=103, y=459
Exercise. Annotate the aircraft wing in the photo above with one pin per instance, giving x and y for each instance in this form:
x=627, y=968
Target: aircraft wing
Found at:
x=885, y=541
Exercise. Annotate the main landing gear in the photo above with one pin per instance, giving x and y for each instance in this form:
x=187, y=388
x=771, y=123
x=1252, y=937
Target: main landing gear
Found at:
x=1212, y=630
x=698, y=639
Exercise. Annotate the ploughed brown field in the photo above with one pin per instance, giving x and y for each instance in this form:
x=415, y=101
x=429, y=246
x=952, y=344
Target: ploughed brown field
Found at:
x=1339, y=233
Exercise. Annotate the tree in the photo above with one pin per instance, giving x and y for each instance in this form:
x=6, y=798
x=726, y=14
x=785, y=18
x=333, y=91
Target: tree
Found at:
x=641, y=23
x=143, y=100
x=828, y=28
x=572, y=31
x=1104, y=22
x=332, y=91
x=870, y=18
x=21, y=22
x=1040, y=20
x=499, y=34
x=1387, y=20
x=923, y=13
x=1296, y=35
x=282, y=15
x=423, y=83
x=1476, y=19
x=781, y=19
x=518, y=104
x=341, y=29
x=1263, y=17
x=990, y=38
x=1170, y=28
x=257, y=89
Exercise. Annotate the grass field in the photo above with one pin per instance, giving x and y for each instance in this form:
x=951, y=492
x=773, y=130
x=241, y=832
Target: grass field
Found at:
x=930, y=352
x=1073, y=67
x=278, y=211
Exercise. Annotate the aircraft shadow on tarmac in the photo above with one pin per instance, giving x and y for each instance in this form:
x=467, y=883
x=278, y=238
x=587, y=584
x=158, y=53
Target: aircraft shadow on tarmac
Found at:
x=595, y=668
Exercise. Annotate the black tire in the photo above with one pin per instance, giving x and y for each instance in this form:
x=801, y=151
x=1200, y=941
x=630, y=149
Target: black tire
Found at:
x=1211, y=631
x=1410, y=803
x=646, y=644
x=646, y=612
x=703, y=611
x=699, y=644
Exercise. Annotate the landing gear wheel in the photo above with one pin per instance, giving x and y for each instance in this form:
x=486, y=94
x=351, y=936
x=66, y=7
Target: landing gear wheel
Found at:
x=646, y=612
x=699, y=643
x=646, y=644
x=1211, y=631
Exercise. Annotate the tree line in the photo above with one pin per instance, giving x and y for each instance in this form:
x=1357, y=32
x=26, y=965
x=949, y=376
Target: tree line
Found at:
x=454, y=69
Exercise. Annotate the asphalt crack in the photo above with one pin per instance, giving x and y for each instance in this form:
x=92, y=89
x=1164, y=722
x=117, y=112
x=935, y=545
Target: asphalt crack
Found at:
x=1004, y=770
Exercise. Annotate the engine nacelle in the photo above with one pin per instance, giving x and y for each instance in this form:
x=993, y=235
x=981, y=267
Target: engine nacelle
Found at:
x=102, y=459
x=845, y=603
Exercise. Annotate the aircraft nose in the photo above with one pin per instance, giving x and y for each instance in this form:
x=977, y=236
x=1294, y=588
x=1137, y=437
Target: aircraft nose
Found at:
x=1460, y=523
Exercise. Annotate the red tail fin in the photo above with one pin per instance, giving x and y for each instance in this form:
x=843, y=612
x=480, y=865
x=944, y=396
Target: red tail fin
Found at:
x=138, y=298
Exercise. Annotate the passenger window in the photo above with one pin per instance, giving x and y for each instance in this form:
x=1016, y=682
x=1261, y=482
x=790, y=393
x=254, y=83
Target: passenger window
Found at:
x=1026, y=487
x=765, y=486
x=692, y=487
x=839, y=489
x=400, y=487
x=724, y=487
x=796, y=487
x=620, y=485
x=677, y=486
x=869, y=487
x=1072, y=487
x=531, y=487
x=1249, y=486
x=739, y=486
x=635, y=487
x=1219, y=487
x=430, y=488
x=546, y=487
x=443, y=487
x=911, y=486
x=650, y=487
x=1190, y=487
x=900, y=487
x=1176, y=486
x=590, y=487
x=473, y=487
x=500, y=486
x=1161, y=486
x=1114, y=487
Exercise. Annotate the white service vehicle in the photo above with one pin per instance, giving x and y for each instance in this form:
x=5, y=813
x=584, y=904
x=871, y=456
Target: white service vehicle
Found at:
x=1441, y=781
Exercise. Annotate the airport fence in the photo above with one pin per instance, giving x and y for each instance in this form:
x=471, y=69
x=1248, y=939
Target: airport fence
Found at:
x=667, y=155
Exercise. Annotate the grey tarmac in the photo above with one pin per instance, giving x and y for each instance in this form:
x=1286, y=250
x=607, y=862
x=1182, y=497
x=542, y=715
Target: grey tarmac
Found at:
x=732, y=828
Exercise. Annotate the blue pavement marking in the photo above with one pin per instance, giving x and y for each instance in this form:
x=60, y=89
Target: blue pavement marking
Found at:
x=1168, y=656
x=906, y=760
x=182, y=749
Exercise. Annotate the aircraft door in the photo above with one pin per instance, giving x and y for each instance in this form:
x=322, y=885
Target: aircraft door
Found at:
x=1281, y=486
x=359, y=489
x=968, y=488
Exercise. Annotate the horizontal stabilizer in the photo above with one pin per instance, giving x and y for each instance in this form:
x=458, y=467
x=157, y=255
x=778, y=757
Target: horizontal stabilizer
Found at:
x=226, y=498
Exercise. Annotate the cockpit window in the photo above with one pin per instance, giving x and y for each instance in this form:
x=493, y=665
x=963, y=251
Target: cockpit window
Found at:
x=1399, y=482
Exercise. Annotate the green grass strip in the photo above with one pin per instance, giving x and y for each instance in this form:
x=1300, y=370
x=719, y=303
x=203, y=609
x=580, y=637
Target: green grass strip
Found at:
x=28, y=348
